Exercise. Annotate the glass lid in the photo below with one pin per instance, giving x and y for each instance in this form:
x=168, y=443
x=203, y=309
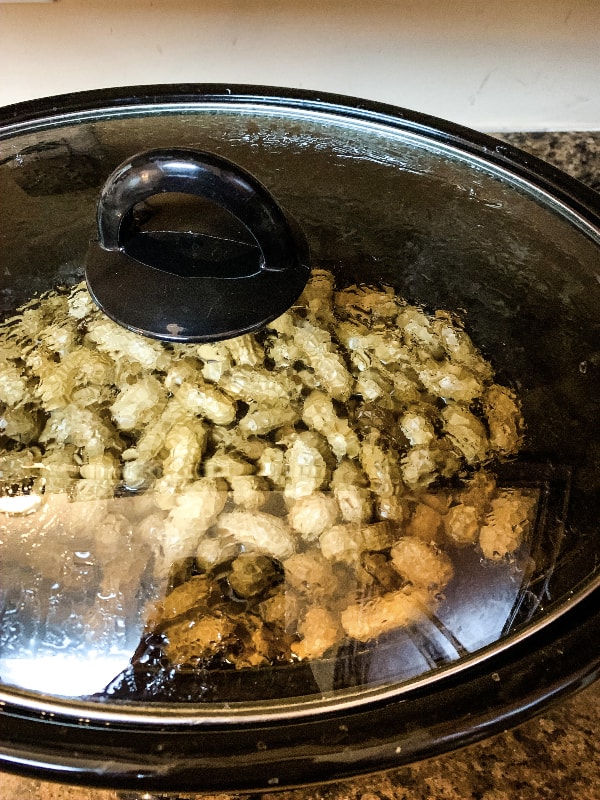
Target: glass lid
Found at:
x=388, y=480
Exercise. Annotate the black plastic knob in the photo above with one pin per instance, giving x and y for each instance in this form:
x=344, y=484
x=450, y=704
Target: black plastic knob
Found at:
x=187, y=286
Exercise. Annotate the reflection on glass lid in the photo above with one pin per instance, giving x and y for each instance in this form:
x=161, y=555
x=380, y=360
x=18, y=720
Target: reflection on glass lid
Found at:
x=329, y=491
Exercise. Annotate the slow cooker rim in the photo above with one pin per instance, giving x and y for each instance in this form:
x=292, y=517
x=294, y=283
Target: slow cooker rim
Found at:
x=577, y=197
x=515, y=686
x=170, y=715
x=565, y=188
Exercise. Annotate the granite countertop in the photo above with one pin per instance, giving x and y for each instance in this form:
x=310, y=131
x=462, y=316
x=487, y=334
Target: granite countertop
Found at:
x=578, y=154
x=554, y=756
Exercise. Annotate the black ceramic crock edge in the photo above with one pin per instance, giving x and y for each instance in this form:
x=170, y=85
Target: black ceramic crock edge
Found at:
x=563, y=187
x=460, y=711
x=485, y=699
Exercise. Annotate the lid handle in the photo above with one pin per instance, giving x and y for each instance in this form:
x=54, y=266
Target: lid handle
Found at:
x=187, y=286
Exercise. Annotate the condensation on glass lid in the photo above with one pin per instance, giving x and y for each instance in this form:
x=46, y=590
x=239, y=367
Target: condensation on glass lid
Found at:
x=326, y=488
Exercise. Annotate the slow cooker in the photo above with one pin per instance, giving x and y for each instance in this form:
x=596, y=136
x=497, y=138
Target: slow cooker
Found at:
x=299, y=437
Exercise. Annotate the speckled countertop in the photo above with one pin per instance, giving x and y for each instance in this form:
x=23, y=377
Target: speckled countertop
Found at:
x=555, y=756
x=576, y=153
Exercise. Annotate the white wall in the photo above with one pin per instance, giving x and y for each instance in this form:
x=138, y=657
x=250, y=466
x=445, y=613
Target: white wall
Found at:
x=489, y=64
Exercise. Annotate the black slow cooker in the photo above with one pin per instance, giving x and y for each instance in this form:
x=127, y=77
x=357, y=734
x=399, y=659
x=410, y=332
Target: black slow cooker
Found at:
x=299, y=437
